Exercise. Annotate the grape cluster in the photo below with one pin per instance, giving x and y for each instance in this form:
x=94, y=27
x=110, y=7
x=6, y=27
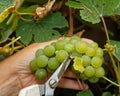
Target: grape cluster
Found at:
x=87, y=58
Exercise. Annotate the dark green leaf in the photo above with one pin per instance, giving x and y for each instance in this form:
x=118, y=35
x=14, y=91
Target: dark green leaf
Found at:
x=5, y=35
x=117, y=11
x=106, y=94
x=116, y=53
x=30, y=9
x=5, y=31
x=4, y=4
x=42, y=30
x=6, y=7
x=85, y=15
x=74, y=4
x=92, y=10
x=85, y=93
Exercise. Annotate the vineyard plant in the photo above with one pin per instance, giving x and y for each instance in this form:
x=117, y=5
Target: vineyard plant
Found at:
x=23, y=22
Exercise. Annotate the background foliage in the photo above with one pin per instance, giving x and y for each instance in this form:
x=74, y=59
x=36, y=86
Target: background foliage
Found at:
x=20, y=26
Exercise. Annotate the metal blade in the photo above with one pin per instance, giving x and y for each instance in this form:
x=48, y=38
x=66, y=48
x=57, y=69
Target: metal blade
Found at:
x=64, y=66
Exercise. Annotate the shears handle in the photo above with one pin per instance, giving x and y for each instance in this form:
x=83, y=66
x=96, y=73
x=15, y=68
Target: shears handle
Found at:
x=32, y=90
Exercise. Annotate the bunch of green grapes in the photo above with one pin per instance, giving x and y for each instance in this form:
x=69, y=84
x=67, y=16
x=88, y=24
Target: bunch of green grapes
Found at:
x=87, y=58
x=91, y=61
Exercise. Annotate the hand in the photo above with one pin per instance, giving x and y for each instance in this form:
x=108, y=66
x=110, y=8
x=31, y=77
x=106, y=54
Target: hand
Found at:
x=17, y=65
x=26, y=76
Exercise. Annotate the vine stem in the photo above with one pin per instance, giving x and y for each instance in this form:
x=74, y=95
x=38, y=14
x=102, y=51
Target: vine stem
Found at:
x=12, y=42
x=25, y=13
x=114, y=65
x=111, y=56
x=111, y=81
x=105, y=27
x=70, y=33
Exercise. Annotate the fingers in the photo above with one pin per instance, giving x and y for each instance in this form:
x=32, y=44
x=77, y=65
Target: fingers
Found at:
x=72, y=84
x=68, y=73
x=87, y=40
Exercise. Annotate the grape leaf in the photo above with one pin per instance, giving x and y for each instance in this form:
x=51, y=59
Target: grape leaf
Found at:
x=85, y=93
x=6, y=7
x=117, y=11
x=92, y=10
x=116, y=52
x=42, y=30
x=4, y=4
x=4, y=35
x=5, y=31
x=74, y=4
x=106, y=94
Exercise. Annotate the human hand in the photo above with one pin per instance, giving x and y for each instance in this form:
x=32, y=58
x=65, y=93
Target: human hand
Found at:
x=17, y=66
x=26, y=76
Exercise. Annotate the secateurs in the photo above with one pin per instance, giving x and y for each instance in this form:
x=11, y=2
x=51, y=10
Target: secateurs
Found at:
x=48, y=88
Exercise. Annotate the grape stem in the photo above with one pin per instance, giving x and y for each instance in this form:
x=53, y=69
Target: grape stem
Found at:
x=111, y=81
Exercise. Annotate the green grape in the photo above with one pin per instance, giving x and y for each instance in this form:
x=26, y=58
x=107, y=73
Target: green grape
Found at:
x=100, y=72
x=61, y=55
x=99, y=52
x=59, y=45
x=39, y=52
x=53, y=63
x=42, y=60
x=96, y=61
x=89, y=71
x=73, y=41
x=74, y=53
x=53, y=44
x=83, y=76
x=74, y=71
x=75, y=38
x=49, y=50
x=90, y=51
x=33, y=65
x=69, y=48
x=93, y=79
x=49, y=70
x=67, y=39
x=94, y=44
x=81, y=47
x=86, y=60
x=41, y=74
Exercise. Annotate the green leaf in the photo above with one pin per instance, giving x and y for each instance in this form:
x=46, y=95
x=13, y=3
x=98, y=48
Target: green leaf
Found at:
x=90, y=17
x=6, y=7
x=106, y=94
x=5, y=35
x=85, y=93
x=116, y=52
x=92, y=10
x=5, y=31
x=74, y=4
x=117, y=11
x=30, y=9
x=4, y=4
x=42, y=30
